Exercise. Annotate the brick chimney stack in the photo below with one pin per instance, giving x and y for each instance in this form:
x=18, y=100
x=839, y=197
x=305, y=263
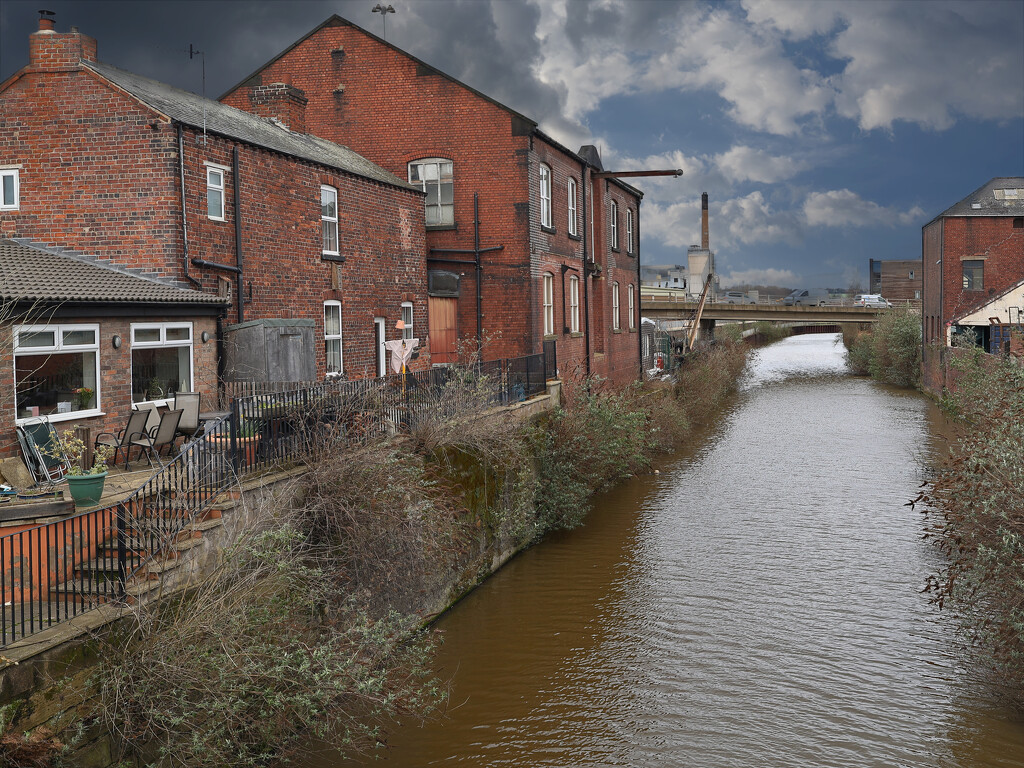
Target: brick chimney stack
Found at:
x=49, y=50
x=705, y=240
x=282, y=101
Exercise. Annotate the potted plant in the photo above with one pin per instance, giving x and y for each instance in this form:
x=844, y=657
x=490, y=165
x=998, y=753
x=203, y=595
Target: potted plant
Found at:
x=85, y=485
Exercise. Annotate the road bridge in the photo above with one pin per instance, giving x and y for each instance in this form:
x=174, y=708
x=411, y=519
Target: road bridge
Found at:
x=664, y=308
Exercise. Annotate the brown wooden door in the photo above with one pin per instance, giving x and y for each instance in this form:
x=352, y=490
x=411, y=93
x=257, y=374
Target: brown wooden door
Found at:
x=444, y=329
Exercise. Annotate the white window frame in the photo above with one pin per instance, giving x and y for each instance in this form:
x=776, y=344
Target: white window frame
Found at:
x=631, y=306
x=544, y=174
x=213, y=168
x=616, y=322
x=15, y=202
x=571, y=187
x=549, y=304
x=59, y=346
x=330, y=337
x=407, y=318
x=574, y=304
x=380, y=332
x=629, y=230
x=614, y=214
x=163, y=343
x=329, y=223
x=435, y=215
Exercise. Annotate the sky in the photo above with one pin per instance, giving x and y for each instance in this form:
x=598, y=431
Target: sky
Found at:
x=825, y=133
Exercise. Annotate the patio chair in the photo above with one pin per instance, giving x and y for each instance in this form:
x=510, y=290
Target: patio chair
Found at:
x=153, y=442
x=135, y=427
x=188, y=404
x=46, y=470
x=152, y=410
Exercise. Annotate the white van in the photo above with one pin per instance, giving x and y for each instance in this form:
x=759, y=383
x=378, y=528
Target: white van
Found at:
x=807, y=298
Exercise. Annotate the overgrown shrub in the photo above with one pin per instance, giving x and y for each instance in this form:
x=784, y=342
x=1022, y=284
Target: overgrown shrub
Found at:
x=976, y=504
x=891, y=351
x=272, y=649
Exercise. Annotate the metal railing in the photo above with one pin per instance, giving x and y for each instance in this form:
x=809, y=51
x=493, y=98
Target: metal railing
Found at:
x=57, y=570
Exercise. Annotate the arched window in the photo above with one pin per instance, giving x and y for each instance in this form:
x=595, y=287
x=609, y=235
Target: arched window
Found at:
x=574, y=304
x=435, y=177
x=545, y=195
x=615, y=224
x=629, y=231
x=616, y=325
x=549, y=304
x=572, y=206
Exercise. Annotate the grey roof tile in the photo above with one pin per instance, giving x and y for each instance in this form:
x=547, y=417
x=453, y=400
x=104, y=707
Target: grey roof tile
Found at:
x=33, y=272
x=988, y=199
x=197, y=111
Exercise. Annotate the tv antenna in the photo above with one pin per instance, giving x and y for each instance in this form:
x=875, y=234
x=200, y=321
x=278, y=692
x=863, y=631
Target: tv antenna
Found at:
x=192, y=53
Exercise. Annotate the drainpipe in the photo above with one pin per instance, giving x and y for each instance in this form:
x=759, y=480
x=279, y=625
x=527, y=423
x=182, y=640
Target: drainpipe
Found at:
x=639, y=314
x=184, y=215
x=586, y=275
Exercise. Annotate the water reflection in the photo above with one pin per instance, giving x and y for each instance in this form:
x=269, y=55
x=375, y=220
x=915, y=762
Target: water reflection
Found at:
x=757, y=604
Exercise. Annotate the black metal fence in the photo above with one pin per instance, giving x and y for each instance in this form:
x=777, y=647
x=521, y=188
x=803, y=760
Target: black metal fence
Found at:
x=57, y=570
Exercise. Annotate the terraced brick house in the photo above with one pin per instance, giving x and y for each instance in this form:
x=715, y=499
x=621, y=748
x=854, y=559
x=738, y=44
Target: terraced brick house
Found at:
x=528, y=241
x=150, y=235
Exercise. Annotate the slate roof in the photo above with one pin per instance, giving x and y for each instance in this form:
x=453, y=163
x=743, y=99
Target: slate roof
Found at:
x=36, y=273
x=194, y=110
x=984, y=201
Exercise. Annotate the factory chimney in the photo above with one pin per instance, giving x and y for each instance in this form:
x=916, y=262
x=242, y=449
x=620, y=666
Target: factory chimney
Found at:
x=704, y=239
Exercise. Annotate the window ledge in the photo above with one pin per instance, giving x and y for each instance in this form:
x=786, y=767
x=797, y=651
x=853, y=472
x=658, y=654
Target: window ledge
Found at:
x=574, y=237
x=58, y=417
x=216, y=218
x=441, y=227
x=576, y=335
x=632, y=330
x=332, y=257
x=550, y=336
x=616, y=330
x=614, y=249
x=549, y=230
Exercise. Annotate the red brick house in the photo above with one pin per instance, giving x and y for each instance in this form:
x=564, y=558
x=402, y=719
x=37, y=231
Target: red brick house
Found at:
x=555, y=244
x=291, y=229
x=973, y=254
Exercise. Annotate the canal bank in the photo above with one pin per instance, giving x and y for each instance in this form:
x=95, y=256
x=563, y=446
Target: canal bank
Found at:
x=758, y=602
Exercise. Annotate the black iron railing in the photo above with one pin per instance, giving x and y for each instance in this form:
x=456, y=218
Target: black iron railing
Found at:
x=55, y=571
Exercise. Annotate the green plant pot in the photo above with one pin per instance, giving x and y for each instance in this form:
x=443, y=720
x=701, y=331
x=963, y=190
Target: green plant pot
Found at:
x=86, y=489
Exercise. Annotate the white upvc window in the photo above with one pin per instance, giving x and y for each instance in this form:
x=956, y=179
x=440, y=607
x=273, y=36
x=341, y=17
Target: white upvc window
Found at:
x=549, y=304
x=574, y=304
x=572, y=206
x=332, y=337
x=56, y=371
x=215, y=192
x=10, y=189
x=614, y=214
x=631, y=306
x=545, y=195
x=329, y=219
x=435, y=176
x=615, y=307
x=161, y=361
x=629, y=230
x=407, y=320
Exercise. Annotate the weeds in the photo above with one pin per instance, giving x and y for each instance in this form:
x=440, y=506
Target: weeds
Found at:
x=891, y=351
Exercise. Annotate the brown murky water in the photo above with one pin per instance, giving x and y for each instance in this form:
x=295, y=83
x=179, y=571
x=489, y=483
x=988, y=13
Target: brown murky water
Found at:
x=756, y=604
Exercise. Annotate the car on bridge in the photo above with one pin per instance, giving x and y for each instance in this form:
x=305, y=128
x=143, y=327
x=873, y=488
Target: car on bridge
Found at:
x=871, y=300
x=736, y=297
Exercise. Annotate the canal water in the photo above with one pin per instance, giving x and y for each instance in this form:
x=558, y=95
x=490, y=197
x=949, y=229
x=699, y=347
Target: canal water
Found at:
x=756, y=604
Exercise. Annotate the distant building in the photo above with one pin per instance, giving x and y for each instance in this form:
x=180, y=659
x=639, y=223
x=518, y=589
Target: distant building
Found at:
x=973, y=255
x=898, y=280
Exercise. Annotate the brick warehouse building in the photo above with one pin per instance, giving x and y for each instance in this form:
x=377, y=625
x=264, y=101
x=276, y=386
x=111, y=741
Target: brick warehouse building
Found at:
x=288, y=227
x=973, y=254
x=557, y=247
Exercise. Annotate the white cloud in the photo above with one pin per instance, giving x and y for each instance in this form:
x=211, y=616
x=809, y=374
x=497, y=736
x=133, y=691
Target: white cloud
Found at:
x=843, y=208
x=768, y=276
x=751, y=219
x=742, y=163
x=799, y=19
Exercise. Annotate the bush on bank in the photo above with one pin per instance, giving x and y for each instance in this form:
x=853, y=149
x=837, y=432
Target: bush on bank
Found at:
x=890, y=351
x=976, y=506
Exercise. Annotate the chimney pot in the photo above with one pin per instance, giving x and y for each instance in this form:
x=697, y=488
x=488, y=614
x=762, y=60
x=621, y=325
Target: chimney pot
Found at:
x=46, y=21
